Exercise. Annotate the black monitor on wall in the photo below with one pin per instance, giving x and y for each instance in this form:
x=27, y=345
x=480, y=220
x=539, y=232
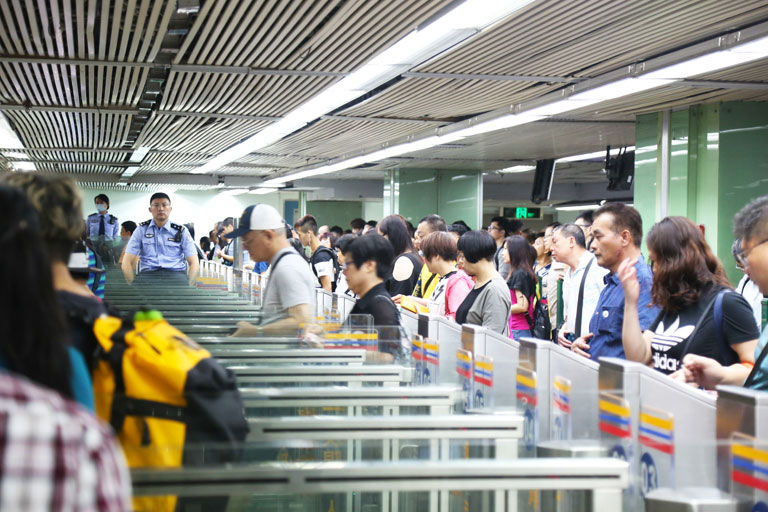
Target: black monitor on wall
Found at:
x=542, y=180
x=620, y=170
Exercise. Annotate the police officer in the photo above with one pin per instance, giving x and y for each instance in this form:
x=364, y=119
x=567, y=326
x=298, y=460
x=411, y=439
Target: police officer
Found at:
x=160, y=246
x=102, y=223
x=103, y=227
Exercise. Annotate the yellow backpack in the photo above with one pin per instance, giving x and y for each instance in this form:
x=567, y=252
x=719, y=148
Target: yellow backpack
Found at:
x=165, y=396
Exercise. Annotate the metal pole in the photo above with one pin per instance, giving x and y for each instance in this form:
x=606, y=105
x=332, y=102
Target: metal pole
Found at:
x=663, y=188
x=238, y=250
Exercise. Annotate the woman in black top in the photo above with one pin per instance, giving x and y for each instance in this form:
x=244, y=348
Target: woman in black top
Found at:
x=407, y=264
x=368, y=260
x=687, y=280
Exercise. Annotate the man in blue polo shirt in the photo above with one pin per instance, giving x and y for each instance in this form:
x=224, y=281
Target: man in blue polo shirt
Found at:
x=617, y=232
x=160, y=246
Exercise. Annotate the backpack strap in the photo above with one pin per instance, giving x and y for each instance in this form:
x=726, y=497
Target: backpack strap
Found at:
x=701, y=320
x=580, y=304
x=336, y=266
x=753, y=374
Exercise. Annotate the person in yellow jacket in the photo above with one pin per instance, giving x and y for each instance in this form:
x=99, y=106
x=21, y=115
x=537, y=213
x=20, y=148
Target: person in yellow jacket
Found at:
x=427, y=281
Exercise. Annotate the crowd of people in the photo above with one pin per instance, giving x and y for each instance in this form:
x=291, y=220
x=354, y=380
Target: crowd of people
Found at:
x=588, y=281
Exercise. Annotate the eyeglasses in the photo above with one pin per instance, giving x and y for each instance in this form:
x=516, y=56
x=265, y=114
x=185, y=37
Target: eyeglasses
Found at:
x=743, y=255
x=491, y=228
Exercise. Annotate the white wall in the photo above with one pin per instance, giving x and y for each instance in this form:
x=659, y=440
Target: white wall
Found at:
x=204, y=208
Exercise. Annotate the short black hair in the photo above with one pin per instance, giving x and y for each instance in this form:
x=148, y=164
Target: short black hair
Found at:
x=374, y=248
x=338, y=230
x=309, y=223
x=458, y=228
x=477, y=245
x=343, y=242
x=371, y=223
x=588, y=216
x=159, y=195
x=752, y=221
x=462, y=223
x=103, y=198
x=553, y=225
x=572, y=230
x=503, y=223
x=515, y=227
x=435, y=222
x=624, y=217
x=129, y=226
x=229, y=221
x=357, y=223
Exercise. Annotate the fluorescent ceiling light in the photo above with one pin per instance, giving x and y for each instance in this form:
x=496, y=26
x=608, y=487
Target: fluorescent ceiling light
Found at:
x=592, y=156
x=129, y=171
x=262, y=191
x=234, y=191
x=8, y=138
x=577, y=208
x=516, y=168
x=618, y=89
x=715, y=61
x=139, y=154
x=460, y=23
x=24, y=166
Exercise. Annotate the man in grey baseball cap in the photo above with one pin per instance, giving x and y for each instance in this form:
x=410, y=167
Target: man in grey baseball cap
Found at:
x=289, y=300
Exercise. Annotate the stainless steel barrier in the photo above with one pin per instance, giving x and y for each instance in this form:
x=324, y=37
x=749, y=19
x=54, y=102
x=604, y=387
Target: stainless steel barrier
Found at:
x=352, y=376
x=389, y=400
x=604, y=478
x=294, y=356
x=742, y=435
x=663, y=428
x=410, y=321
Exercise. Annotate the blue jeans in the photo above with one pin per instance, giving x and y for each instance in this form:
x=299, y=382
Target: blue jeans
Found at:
x=516, y=335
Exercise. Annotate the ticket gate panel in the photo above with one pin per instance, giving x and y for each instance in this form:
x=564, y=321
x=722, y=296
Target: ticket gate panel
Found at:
x=410, y=321
x=676, y=434
x=505, y=353
x=572, y=396
x=449, y=336
x=742, y=449
x=533, y=376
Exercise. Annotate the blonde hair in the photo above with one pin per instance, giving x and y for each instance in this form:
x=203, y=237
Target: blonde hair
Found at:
x=59, y=206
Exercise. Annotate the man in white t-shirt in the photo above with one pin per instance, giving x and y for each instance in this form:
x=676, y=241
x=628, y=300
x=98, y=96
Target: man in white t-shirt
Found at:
x=569, y=247
x=289, y=300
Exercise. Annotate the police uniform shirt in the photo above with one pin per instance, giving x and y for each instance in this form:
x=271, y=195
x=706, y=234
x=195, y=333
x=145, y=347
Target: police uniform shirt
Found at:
x=161, y=248
x=111, y=226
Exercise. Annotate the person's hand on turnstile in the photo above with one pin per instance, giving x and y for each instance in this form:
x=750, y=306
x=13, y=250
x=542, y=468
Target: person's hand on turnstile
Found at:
x=580, y=345
x=700, y=371
x=245, y=329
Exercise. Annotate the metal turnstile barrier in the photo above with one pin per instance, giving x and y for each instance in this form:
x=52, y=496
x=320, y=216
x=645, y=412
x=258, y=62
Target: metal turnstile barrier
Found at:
x=384, y=401
x=318, y=375
x=664, y=429
x=604, y=478
x=294, y=356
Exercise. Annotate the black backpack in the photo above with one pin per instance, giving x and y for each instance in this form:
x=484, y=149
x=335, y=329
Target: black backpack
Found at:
x=540, y=325
x=336, y=266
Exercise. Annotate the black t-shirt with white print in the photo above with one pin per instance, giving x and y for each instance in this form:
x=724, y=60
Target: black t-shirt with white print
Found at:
x=670, y=330
x=322, y=263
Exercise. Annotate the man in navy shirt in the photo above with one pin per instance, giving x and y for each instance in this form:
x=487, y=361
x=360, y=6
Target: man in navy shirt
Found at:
x=617, y=232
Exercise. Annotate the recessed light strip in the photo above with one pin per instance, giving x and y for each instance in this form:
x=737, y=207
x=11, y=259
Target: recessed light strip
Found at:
x=617, y=84
x=421, y=45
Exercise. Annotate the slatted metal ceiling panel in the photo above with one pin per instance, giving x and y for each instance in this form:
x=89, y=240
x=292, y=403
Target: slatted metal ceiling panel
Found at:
x=590, y=37
x=335, y=35
x=579, y=39
x=328, y=138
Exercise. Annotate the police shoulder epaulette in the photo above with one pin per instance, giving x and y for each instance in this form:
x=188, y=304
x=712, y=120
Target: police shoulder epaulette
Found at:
x=177, y=227
x=112, y=219
x=145, y=223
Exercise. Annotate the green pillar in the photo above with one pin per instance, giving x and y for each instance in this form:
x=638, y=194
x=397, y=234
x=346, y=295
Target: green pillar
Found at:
x=718, y=162
x=455, y=195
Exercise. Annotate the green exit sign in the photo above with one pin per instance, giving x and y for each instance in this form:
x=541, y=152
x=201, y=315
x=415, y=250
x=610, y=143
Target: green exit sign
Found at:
x=522, y=213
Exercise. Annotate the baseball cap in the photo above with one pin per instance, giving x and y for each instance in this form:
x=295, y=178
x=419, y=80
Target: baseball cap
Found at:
x=258, y=217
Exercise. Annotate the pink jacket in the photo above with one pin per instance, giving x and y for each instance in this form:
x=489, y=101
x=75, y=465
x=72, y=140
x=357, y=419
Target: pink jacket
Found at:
x=456, y=290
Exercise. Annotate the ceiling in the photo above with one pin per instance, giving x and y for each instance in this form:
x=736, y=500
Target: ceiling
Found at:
x=83, y=84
